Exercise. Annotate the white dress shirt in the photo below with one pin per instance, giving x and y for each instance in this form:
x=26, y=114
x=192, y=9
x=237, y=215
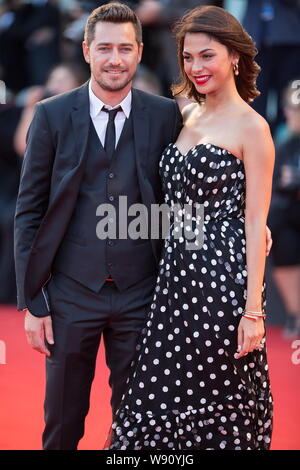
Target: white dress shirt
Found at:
x=100, y=117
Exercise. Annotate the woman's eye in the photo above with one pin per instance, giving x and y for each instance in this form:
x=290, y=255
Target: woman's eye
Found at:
x=185, y=57
x=207, y=56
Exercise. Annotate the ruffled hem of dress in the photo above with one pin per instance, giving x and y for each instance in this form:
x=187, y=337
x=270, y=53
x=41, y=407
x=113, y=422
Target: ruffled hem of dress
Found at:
x=195, y=429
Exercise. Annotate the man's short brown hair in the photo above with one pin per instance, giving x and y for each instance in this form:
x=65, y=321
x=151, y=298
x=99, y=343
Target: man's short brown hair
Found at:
x=113, y=12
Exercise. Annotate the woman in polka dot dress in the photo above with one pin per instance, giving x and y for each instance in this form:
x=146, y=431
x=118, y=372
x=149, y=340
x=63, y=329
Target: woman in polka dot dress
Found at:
x=191, y=386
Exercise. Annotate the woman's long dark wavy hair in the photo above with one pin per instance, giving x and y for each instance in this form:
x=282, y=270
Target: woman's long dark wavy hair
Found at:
x=223, y=27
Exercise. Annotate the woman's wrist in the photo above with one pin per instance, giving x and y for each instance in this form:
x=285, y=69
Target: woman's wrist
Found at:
x=254, y=307
x=254, y=311
x=254, y=318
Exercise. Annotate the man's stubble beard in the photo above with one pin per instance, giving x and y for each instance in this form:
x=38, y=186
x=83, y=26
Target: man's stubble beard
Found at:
x=117, y=87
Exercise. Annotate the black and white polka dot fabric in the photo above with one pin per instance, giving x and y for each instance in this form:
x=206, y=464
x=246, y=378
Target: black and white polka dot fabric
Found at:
x=186, y=389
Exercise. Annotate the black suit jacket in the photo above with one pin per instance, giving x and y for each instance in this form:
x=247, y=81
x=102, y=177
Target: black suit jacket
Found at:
x=51, y=174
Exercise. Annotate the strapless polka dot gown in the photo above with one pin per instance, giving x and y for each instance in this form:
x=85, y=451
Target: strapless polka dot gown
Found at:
x=186, y=390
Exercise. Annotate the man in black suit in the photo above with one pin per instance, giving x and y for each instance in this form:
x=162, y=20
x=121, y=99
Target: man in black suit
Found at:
x=85, y=148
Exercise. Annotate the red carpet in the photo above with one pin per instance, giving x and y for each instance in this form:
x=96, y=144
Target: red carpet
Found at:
x=22, y=383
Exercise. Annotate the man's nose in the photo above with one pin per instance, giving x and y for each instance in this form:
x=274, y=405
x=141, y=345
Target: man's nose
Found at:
x=115, y=58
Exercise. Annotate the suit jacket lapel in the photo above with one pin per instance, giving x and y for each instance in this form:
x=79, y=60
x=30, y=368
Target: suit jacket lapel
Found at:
x=80, y=116
x=141, y=129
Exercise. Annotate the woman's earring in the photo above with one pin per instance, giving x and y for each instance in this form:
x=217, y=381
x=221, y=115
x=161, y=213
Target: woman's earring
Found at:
x=236, y=69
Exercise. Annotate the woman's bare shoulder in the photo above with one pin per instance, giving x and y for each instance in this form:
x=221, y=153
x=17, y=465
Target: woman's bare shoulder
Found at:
x=255, y=134
x=186, y=106
x=250, y=120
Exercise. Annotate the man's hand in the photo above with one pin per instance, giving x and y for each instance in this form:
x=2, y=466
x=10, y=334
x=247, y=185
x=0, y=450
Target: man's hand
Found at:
x=269, y=241
x=36, y=330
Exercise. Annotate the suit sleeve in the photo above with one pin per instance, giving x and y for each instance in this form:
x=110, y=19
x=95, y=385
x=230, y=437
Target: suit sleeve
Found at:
x=33, y=194
x=178, y=123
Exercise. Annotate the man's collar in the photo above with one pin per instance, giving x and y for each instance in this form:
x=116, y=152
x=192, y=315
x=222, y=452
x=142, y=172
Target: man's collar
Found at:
x=96, y=104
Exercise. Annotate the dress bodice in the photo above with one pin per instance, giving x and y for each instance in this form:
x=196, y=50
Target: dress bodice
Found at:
x=207, y=175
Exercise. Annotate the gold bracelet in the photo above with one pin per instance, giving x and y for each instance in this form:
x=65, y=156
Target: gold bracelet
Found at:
x=252, y=311
x=254, y=314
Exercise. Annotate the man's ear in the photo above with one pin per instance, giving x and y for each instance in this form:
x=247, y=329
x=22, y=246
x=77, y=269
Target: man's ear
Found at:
x=86, y=52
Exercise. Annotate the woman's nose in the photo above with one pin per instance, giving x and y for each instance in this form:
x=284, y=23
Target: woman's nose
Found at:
x=197, y=66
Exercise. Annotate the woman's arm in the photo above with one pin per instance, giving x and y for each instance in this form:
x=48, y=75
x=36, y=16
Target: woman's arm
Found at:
x=258, y=156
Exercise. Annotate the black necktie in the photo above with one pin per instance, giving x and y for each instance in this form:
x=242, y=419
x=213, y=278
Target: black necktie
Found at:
x=110, y=135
